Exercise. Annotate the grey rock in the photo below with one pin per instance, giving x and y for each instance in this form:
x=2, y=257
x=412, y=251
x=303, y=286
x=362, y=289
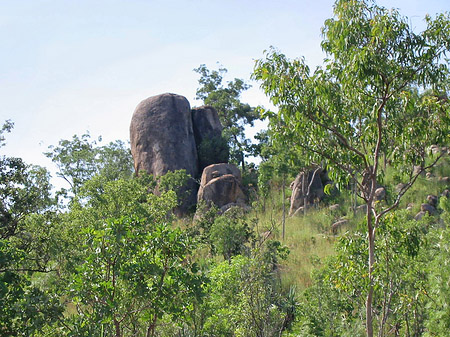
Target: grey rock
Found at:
x=316, y=190
x=301, y=210
x=399, y=187
x=417, y=170
x=361, y=209
x=428, y=209
x=435, y=149
x=444, y=180
x=221, y=185
x=338, y=224
x=432, y=200
x=446, y=193
x=420, y=215
x=380, y=193
x=162, y=138
x=211, y=147
x=334, y=208
x=217, y=170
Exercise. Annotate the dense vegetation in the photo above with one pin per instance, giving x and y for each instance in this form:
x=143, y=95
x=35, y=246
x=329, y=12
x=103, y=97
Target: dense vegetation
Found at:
x=106, y=256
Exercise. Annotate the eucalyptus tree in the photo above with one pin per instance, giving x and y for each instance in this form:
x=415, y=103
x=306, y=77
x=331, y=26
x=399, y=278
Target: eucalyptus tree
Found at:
x=382, y=90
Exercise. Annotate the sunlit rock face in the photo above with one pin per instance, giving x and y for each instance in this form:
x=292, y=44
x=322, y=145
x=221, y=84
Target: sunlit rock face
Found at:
x=221, y=184
x=162, y=136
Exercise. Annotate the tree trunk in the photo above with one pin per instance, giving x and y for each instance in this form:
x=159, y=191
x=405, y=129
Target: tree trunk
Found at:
x=117, y=326
x=305, y=199
x=284, y=206
x=371, y=243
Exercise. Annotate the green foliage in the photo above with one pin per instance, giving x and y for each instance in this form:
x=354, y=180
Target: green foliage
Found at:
x=79, y=159
x=25, y=207
x=333, y=304
x=175, y=181
x=6, y=127
x=381, y=91
x=229, y=233
x=128, y=267
x=233, y=114
x=438, y=322
x=133, y=274
x=212, y=151
x=244, y=299
x=24, y=189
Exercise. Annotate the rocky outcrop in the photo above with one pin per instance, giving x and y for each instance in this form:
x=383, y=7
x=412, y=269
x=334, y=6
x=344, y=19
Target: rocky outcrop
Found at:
x=212, y=148
x=313, y=184
x=166, y=135
x=221, y=185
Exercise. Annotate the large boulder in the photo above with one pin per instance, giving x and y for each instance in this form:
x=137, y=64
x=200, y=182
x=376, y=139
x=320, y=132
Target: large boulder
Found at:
x=221, y=185
x=162, y=138
x=212, y=148
x=314, y=182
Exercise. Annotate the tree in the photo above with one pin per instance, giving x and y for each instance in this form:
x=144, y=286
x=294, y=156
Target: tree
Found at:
x=234, y=115
x=381, y=92
x=26, y=208
x=126, y=266
x=79, y=159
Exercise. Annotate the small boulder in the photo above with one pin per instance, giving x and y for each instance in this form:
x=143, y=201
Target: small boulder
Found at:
x=435, y=149
x=313, y=182
x=301, y=210
x=444, y=180
x=446, y=193
x=380, y=194
x=418, y=170
x=338, y=224
x=432, y=200
x=428, y=209
x=361, y=209
x=420, y=215
x=334, y=208
x=399, y=187
x=217, y=170
x=221, y=185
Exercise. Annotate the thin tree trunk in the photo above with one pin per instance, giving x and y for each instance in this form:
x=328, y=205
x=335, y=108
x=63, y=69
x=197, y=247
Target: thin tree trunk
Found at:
x=369, y=318
x=305, y=199
x=117, y=326
x=284, y=206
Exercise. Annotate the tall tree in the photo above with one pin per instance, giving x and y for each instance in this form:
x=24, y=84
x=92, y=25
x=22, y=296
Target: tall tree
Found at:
x=381, y=91
x=26, y=210
x=234, y=115
x=80, y=158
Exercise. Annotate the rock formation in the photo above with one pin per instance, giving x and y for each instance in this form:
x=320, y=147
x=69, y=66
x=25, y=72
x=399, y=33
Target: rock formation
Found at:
x=166, y=135
x=162, y=136
x=162, y=139
x=211, y=147
x=313, y=183
x=221, y=185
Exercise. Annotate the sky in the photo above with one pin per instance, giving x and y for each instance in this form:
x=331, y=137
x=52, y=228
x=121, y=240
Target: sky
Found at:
x=72, y=66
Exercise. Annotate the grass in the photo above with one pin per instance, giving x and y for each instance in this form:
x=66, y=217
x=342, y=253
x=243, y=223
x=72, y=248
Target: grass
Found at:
x=310, y=238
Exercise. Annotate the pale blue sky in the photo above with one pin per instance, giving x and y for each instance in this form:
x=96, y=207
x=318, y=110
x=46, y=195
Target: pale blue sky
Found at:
x=71, y=66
